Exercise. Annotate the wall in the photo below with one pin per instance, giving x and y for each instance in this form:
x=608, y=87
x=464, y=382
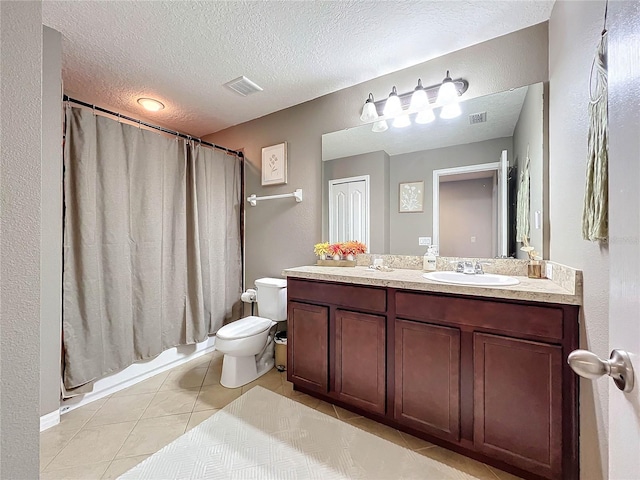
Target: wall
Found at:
x=529, y=134
x=376, y=165
x=416, y=166
x=510, y=61
x=20, y=175
x=466, y=210
x=574, y=31
x=51, y=223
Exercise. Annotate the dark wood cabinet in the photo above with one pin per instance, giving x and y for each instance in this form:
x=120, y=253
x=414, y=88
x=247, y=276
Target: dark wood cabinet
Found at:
x=427, y=378
x=518, y=402
x=308, y=346
x=484, y=377
x=360, y=360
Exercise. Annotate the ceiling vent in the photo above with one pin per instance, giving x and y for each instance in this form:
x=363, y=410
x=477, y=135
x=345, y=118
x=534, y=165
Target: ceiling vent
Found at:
x=243, y=86
x=477, y=118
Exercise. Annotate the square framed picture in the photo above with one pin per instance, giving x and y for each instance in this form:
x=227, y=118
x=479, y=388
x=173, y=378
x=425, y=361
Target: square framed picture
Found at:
x=274, y=164
x=411, y=197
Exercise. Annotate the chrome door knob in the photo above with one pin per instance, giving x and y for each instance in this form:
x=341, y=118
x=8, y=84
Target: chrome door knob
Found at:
x=588, y=365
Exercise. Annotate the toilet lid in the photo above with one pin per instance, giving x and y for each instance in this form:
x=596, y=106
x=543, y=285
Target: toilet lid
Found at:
x=245, y=327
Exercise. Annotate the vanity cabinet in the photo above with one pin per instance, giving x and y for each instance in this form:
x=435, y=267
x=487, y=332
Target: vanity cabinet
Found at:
x=484, y=377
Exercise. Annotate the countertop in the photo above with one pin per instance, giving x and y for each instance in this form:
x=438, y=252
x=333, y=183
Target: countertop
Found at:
x=533, y=290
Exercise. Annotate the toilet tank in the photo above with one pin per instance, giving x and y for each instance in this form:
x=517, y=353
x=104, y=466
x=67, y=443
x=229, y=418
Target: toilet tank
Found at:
x=272, y=298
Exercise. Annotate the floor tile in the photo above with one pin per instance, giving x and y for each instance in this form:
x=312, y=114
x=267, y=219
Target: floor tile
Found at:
x=459, y=462
x=378, y=429
x=44, y=461
x=500, y=475
x=213, y=373
x=305, y=399
x=171, y=402
x=181, y=379
x=216, y=396
x=344, y=414
x=122, y=409
x=122, y=465
x=327, y=409
x=92, y=445
x=54, y=439
x=270, y=380
x=151, y=434
x=92, y=471
x=415, y=443
x=150, y=385
x=198, y=417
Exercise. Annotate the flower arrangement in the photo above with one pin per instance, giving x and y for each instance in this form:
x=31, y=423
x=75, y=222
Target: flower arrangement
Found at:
x=321, y=249
x=534, y=269
x=531, y=252
x=339, y=250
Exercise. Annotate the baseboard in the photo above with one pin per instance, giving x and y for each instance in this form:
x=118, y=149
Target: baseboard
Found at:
x=49, y=420
x=138, y=372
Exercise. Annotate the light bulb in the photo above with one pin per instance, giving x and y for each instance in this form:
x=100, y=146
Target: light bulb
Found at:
x=150, y=104
x=425, y=116
x=369, y=112
x=401, y=121
x=419, y=99
x=380, y=126
x=447, y=93
x=392, y=106
x=450, y=111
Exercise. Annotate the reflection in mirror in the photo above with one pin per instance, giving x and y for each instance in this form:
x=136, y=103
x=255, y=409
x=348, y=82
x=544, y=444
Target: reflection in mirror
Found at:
x=465, y=173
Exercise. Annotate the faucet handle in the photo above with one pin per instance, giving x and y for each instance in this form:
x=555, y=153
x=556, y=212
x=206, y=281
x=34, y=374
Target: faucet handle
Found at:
x=478, y=267
x=459, y=265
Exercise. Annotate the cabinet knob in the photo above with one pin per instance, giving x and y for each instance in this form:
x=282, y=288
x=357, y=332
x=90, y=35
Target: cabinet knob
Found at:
x=588, y=365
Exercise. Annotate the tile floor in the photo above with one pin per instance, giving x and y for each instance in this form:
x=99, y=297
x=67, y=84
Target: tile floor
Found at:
x=107, y=437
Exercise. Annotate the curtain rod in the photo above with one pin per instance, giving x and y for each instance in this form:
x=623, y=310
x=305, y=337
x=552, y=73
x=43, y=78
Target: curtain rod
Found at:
x=66, y=98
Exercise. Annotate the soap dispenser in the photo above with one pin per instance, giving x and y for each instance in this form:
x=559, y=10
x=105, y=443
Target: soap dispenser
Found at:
x=429, y=261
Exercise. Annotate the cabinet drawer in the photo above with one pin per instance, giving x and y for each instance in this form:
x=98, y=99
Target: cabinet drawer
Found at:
x=339, y=294
x=538, y=321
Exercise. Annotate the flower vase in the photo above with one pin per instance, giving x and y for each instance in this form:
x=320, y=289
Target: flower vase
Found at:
x=323, y=256
x=534, y=269
x=350, y=257
x=337, y=257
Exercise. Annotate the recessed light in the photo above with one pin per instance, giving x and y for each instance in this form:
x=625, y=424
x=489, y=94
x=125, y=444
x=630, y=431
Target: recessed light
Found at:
x=151, y=104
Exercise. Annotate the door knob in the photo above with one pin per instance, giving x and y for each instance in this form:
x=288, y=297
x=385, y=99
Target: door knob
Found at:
x=589, y=365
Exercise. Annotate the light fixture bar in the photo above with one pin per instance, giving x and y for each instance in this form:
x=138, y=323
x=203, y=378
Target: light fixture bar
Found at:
x=432, y=93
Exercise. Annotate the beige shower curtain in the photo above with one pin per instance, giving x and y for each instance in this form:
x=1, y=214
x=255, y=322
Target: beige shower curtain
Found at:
x=151, y=244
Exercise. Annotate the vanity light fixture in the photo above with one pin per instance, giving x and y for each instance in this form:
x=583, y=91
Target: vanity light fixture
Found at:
x=380, y=126
x=420, y=101
x=401, y=121
x=369, y=112
x=151, y=104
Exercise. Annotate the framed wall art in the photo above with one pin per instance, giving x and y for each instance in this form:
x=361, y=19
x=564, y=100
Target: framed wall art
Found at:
x=411, y=197
x=274, y=164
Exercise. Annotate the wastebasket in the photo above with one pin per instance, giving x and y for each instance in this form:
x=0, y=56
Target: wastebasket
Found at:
x=281, y=351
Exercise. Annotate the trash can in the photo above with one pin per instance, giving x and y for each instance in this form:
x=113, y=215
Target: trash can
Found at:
x=281, y=350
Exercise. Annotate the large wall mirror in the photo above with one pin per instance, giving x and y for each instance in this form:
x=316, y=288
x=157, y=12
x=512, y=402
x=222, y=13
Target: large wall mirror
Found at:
x=455, y=182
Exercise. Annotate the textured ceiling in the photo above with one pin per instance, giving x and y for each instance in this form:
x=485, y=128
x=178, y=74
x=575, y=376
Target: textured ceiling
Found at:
x=503, y=110
x=182, y=52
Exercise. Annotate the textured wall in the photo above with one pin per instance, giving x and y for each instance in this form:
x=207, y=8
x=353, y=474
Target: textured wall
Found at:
x=21, y=44
x=574, y=31
x=51, y=223
x=281, y=233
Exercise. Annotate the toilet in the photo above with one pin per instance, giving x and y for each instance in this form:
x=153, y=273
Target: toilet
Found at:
x=246, y=343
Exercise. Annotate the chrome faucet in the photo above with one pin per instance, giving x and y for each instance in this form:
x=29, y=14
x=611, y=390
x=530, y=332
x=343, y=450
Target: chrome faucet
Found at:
x=467, y=267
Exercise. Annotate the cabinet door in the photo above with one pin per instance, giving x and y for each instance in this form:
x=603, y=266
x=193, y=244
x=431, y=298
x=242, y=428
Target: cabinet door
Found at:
x=360, y=365
x=308, y=346
x=518, y=403
x=427, y=378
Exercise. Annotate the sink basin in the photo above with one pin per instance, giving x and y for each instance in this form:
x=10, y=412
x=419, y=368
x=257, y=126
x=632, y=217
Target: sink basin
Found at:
x=484, y=280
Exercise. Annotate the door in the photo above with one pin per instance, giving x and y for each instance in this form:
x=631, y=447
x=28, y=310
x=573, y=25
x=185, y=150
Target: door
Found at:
x=624, y=230
x=360, y=367
x=308, y=346
x=427, y=378
x=349, y=209
x=503, y=205
x=517, y=402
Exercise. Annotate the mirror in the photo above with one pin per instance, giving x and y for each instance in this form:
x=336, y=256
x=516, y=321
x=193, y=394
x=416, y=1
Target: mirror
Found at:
x=454, y=181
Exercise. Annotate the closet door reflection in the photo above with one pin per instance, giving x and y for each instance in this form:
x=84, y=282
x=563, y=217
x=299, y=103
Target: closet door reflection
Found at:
x=349, y=209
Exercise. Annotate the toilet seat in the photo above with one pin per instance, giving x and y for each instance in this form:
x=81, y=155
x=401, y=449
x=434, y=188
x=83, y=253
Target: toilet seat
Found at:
x=245, y=327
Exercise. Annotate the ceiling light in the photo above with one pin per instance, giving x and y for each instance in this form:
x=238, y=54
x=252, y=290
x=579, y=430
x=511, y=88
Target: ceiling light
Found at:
x=401, y=121
x=425, y=116
x=151, y=104
x=369, y=112
x=450, y=111
x=447, y=93
x=419, y=99
x=380, y=126
x=393, y=106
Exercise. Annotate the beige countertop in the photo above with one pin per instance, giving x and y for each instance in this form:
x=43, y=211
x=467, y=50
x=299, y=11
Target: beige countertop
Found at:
x=533, y=290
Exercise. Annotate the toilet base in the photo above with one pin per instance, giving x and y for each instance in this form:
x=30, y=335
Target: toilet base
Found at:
x=238, y=371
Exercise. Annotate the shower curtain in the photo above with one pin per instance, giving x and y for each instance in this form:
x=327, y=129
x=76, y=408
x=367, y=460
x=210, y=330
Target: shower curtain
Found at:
x=152, y=249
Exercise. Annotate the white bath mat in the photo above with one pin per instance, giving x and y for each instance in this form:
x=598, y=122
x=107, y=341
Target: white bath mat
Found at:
x=263, y=435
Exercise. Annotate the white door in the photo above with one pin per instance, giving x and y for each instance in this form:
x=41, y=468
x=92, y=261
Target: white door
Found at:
x=349, y=209
x=624, y=230
x=503, y=210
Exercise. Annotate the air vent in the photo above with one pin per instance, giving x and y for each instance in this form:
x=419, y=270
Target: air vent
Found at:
x=477, y=118
x=243, y=86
